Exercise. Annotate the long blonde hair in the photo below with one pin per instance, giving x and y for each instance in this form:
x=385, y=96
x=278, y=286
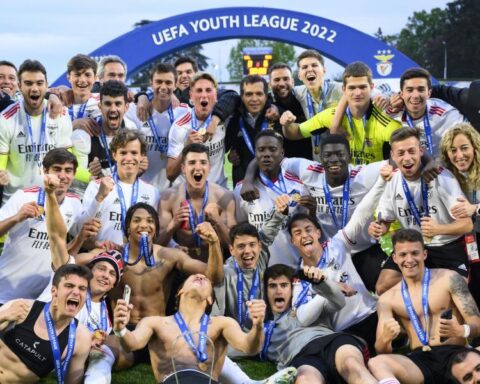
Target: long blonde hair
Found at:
x=471, y=181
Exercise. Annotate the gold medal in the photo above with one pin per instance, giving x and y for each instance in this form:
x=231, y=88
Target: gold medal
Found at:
x=197, y=251
x=98, y=334
x=203, y=367
x=41, y=210
x=296, y=197
x=426, y=348
x=316, y=150
x=202, y=131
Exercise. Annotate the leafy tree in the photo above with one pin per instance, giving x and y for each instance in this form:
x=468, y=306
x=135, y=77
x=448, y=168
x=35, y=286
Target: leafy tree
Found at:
x=281, y=52
x=141, y=77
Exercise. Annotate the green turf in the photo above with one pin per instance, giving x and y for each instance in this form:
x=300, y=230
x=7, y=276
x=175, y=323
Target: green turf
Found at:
x=142, y=373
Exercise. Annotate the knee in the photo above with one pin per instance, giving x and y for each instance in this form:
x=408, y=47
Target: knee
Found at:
x=376, y=364
x=309, y=375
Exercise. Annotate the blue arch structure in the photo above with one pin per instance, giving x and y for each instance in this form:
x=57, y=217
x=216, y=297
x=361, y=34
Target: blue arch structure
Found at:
x=336, y=41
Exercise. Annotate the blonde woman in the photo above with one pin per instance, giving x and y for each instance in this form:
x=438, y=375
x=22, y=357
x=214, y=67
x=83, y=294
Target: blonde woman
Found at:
x=460, y=152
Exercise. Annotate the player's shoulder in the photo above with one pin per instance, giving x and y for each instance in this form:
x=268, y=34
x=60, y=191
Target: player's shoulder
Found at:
x=382, y=118
x=11, y=111
x=73, y=196
x=438, y=107
x=184, y=119
x=33, y=189
x=291, y=177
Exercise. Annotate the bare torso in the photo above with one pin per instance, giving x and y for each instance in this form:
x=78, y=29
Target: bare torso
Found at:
x=167, y=342
x=439, y=299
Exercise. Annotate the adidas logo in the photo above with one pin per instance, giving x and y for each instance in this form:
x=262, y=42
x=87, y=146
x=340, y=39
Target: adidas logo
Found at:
x=399, y=197
x=20, y=134
x=462, y=267
x=116, y=201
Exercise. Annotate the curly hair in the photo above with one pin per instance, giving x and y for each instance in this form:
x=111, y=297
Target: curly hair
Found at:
x=471, y=181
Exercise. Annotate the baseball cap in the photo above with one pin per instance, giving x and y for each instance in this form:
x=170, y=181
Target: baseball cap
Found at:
x=113, y=257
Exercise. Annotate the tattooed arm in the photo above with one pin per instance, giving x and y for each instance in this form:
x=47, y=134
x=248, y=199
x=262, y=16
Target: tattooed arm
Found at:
x=466, y=305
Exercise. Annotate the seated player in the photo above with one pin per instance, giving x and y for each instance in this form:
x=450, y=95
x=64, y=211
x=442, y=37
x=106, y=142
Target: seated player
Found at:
x=420, y=304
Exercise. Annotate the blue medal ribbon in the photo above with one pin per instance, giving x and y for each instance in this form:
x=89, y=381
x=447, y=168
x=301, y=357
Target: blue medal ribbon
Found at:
x=268, y=328
x=121, y=197
x=143, y=252
x=103, y=326
x=60, y=367
x=411, y=202
x=194, y=123
x=41, y=200
x=191, y=214
x=37, y=148
x=302, y=297
x=280, y=189
x=81, y=111
x=103, y=140
x=426, y=126
x=199, y=351
x=311, y=109
x=358, y=160
x=153, y=128
x=252, y=294
x=421, y=333
x=246, y=137
x=345, y=197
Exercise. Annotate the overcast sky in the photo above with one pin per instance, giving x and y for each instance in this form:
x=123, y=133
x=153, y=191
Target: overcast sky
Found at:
x=52, y=31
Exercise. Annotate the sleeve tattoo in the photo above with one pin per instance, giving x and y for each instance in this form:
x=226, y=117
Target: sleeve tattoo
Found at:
x=459, y=288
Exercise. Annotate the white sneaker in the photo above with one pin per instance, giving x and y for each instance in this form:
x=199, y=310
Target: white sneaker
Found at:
x=284, y=376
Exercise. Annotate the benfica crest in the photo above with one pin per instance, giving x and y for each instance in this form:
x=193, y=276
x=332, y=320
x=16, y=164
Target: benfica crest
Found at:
x=384, y=66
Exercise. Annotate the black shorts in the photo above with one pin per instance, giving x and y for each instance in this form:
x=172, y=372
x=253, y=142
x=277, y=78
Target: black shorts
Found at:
x=368, y=264
x=451, y=256
x=433, y=364
x=140, y=355
x=366, y=330
x=320, y=354
x=188, y=376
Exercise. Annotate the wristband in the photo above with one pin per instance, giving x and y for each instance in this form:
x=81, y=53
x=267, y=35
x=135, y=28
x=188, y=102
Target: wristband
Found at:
x=120, y=333
x=466, y=331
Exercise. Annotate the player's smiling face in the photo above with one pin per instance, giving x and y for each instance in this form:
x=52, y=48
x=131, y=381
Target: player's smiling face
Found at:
x=185, y=73
x=279, y=294
x=113, y=109
x=461, y=154
x=163, y=85
x=415, y=93
x=81, y=81
x=195, y=168
x=104, y=277
x=254, y=97
x=33, y=86
x=203, y=95
x=142, y=222
x=407, y=156
x=8, y=80
x=410, y=258
x=128, y=159
x=335, y=159
x=305, y=236
x=311, y=72
x=246, y=250
x=65, y=173
x=281, y=82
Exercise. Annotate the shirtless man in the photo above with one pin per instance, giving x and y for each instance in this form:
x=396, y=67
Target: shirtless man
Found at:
x=163, y=335
x=432, y=292
x=194, y=201
x=26, y=353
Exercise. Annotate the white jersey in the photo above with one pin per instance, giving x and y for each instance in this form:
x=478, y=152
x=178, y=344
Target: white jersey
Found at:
x=26, y=262
x=91, y=109
x=157, y=157
x=362, y=179
x=441, y=116
x=339, y=266
x=216, y=146
x=258, y=211
x=109, y=212
x=330, y=97
x=23, y=157
x=94, y=317
x=442, y=195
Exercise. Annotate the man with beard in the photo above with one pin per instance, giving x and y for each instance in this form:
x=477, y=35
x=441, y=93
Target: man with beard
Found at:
x=192, y=128
x=157, y=127
x=27, y=132
x=109, y=198
x=45, y=336
x=422, y=206
x=196, y=200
